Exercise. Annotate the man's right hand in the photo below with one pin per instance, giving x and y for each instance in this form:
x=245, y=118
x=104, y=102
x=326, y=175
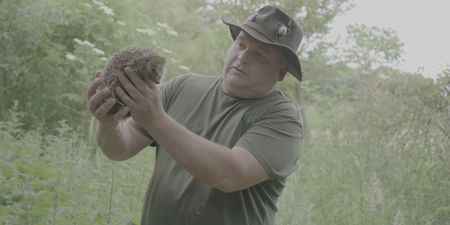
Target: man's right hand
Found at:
x=101, y=102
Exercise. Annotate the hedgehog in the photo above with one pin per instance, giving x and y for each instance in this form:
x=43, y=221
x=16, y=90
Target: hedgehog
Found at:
x=145, y=62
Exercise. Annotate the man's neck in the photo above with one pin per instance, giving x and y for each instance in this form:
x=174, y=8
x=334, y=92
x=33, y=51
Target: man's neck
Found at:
x=245, y=94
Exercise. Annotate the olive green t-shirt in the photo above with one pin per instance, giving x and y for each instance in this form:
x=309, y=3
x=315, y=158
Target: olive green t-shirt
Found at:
x=269, y=127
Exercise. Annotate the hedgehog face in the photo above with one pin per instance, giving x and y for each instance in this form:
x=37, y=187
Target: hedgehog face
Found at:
x=156, y=69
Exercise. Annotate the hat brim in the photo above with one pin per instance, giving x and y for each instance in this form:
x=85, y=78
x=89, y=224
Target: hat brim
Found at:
x=294, y=66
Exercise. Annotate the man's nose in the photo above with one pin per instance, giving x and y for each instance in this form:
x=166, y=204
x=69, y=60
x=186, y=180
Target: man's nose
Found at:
x=243, y=56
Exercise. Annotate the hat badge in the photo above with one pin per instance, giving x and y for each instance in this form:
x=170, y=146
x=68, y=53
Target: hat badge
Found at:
x=282, y=31
x=290, y=23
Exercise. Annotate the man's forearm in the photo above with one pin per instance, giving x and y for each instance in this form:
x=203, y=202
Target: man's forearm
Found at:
x=216, y=165
x=110, y=141
x=120, y=141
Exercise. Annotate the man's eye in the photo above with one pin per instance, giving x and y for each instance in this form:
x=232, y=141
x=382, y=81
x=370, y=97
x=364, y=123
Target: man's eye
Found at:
x=261, y=56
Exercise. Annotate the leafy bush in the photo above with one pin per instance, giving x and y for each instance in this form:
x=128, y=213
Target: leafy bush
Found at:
x=381, y=158
x=52, y=49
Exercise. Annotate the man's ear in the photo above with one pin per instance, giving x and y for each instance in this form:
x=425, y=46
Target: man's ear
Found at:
x=283, y=72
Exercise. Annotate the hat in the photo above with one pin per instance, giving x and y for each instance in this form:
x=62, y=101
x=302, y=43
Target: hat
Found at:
x=272, y=26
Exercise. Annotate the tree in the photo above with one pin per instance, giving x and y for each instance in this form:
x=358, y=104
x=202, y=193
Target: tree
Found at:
x=372, y=47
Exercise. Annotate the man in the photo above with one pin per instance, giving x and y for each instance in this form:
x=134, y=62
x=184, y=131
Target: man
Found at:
x=225, y=145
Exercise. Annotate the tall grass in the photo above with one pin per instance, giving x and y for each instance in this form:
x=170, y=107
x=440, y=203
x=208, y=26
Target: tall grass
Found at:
x=54, y=179
x=381, y=159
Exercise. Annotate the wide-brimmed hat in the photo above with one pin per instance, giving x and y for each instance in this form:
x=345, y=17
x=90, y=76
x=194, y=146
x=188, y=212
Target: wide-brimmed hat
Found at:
x=272, y=26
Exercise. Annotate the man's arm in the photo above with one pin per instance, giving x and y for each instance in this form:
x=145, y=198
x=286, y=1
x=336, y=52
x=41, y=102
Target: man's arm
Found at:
x=120, y=142
x=117, y=140
x=219, y=166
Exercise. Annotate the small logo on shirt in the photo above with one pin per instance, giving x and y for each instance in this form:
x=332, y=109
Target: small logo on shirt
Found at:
x=250, y=116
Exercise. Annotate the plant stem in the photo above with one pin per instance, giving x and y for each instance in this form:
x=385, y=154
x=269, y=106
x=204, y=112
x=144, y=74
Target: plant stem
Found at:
x=111, y=195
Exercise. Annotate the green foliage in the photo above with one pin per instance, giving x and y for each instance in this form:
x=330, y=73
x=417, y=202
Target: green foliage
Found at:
x=381, y=158
x=52, y=49
x=49, y=179
x=378, y=159
x=377, y=140
x=371, y=47
x=38, y=39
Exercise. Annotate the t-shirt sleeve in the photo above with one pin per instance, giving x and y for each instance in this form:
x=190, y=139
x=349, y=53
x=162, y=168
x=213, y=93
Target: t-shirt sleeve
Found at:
x=275, y=140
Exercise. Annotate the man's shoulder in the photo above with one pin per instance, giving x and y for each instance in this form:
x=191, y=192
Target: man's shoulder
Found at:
x=278, y=105
x=278, y=101
x=193, y=79
x=187, y=87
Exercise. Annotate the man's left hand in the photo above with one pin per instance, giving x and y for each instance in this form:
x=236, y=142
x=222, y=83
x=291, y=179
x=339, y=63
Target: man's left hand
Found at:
x=142, y=97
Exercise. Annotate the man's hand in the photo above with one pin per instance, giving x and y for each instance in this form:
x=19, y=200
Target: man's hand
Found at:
x=118, y=141
x=100, y=103
x=142, y=97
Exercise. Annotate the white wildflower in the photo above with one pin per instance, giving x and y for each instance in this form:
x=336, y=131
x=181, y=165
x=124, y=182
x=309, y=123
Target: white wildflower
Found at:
x=203, y=9
x=71, y=56
x=98, y=51
x=384, y=77
x=87, y=5
x=98, y=3
x=89, y=44
x=148, y=32
x=104, y=59
x=375, y=191
x=108, y=11
x=399, y=219
x=302, y=14
x=172, y=32
x=183, y=67
x=168, y=28
x=164, y=25
x=78, y=41
x=121, y=23
x=84, y=43
x=167, y=51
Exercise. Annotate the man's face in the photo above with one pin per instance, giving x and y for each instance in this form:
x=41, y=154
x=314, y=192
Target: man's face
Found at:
x=252, y=68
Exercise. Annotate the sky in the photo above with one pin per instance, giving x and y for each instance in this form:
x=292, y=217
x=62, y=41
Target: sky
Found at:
x=423, y=26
